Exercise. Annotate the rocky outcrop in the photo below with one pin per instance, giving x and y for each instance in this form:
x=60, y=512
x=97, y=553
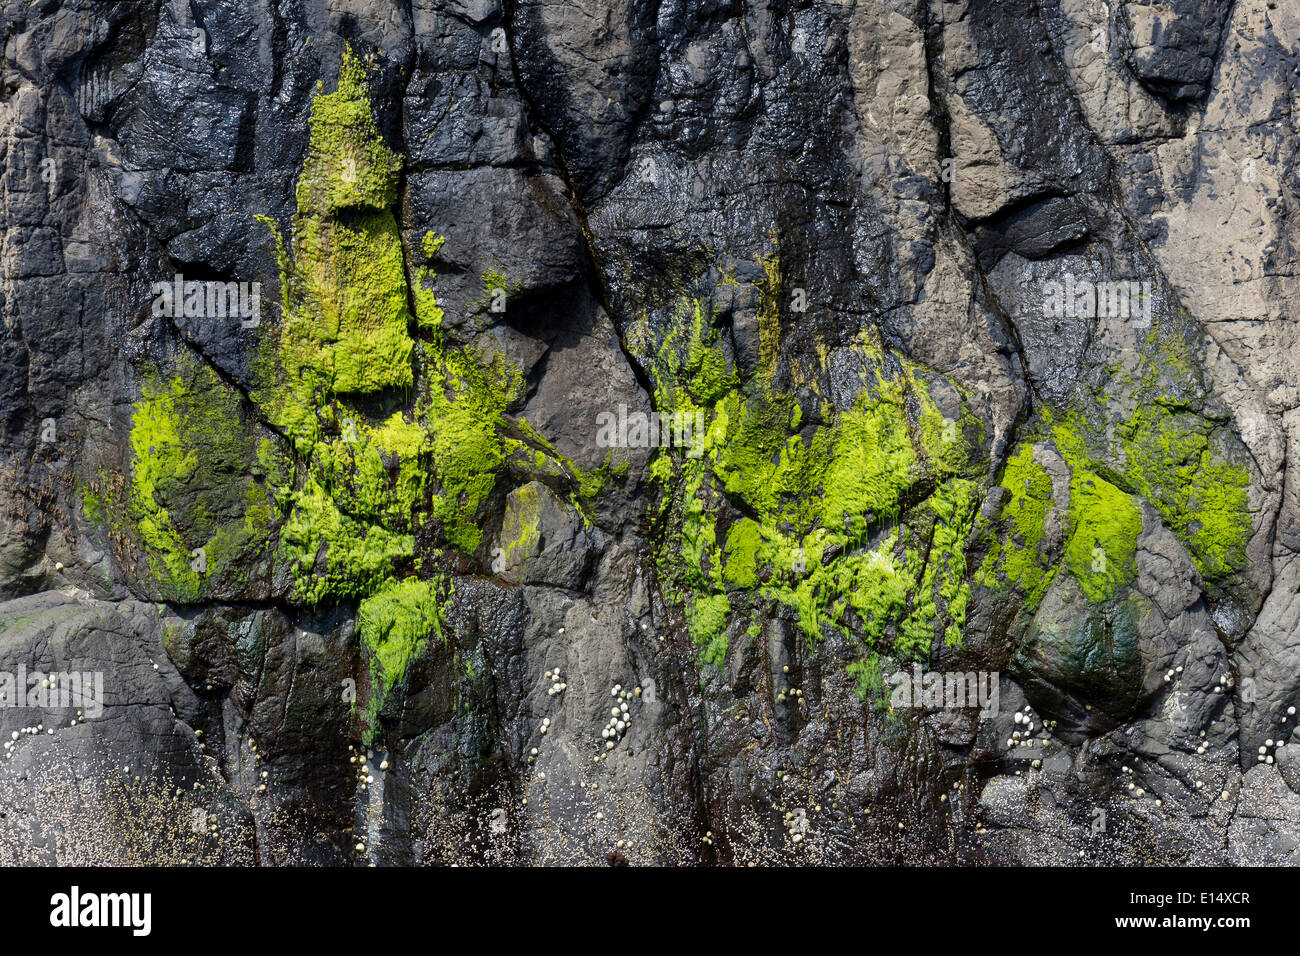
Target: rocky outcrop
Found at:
x=460, y=431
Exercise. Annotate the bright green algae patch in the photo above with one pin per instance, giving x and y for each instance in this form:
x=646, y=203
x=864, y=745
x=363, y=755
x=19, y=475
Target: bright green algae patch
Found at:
x=1167, y=457
x=348, y=165
x=195, y=503
x=394, y=624
x=1190, y=467
x=1020, y=556
x=1102, y=529
x=345, y=323
x=1170, y=460
x=377, y=475
x=345, y=333
x=1101, y=524
x=368, y=490
x=857, y=525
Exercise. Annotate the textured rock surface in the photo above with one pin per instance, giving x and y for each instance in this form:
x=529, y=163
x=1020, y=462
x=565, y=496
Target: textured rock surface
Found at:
x=366, y=581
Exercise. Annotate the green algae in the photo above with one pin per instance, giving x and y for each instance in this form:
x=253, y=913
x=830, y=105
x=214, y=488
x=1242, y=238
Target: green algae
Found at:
x=1189, y=467
x=744, y=541
x=333, y=554
x=428, y=313
x=1170, y=460
x=393, y=626
x=520, y=529
x=870, y=679
x=769, y=316
x=345, y=319
x=194, y=504
x=348, y=165
x=374, y=475
x=707, y=620
x=857, y=523
x=463, y=413
x=497, y=290
x=593, y=482
x=1167, y=456
x=92, y=504
x=871, y=463
x=1101, y=524
x=346, y=332
x=1020, y=559
x=1102, y=529
x=1145, y=436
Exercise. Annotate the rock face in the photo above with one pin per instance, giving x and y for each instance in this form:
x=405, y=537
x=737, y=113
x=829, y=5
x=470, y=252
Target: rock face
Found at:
x=516, y=433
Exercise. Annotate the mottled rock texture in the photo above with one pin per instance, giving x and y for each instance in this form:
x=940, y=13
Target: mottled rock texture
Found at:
x=981, y=321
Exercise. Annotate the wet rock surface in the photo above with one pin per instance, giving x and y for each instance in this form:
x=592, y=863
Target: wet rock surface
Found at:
x=701, y=433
